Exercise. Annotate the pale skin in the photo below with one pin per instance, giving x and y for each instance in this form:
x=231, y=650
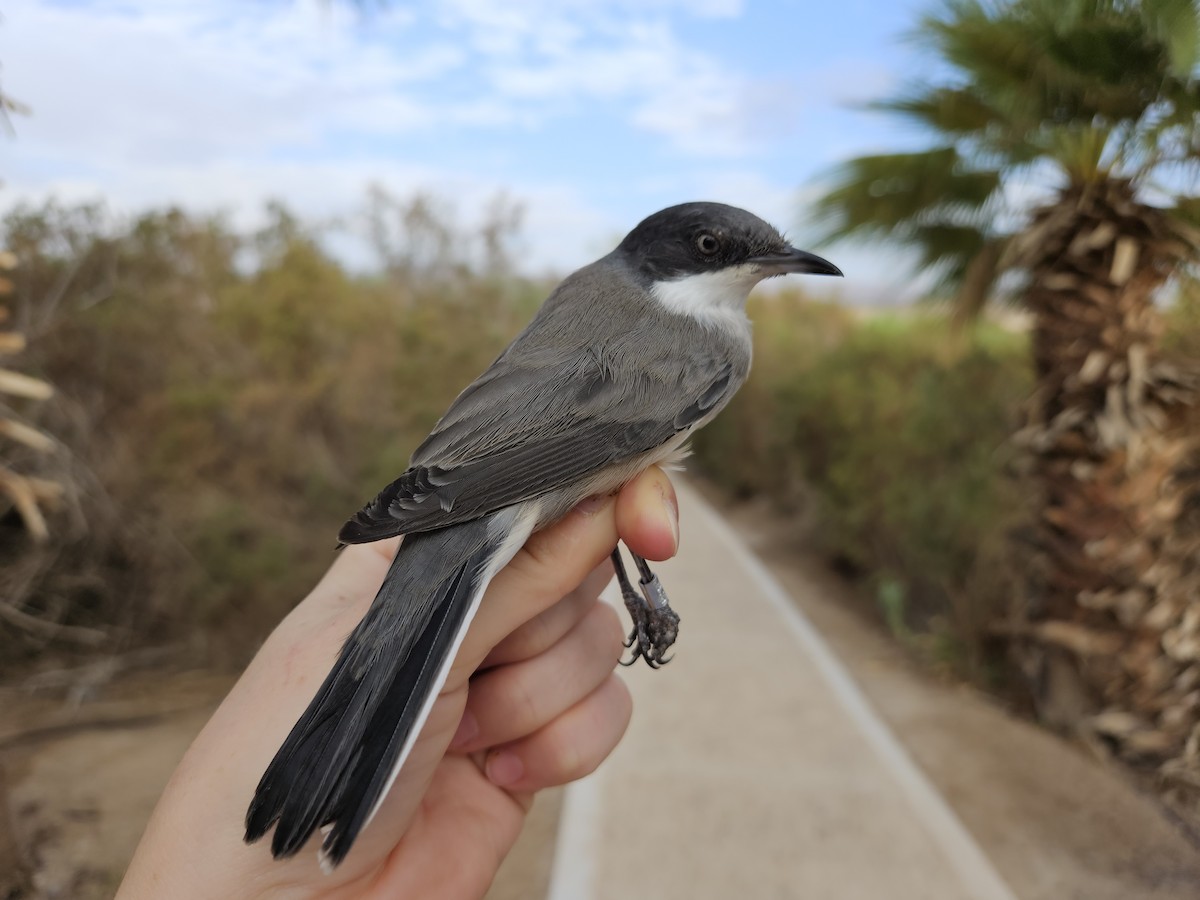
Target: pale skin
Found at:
x=532, y=701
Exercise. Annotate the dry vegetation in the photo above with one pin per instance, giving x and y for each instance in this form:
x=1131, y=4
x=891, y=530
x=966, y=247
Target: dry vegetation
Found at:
x=890, y=438
x=910, y=449
x=24, y=493
x=223, y=402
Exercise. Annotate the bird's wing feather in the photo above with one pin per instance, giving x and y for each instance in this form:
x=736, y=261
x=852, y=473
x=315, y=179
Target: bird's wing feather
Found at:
x=525, y=428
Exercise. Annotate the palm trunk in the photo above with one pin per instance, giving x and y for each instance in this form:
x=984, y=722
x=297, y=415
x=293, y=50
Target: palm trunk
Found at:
x=1113, y=608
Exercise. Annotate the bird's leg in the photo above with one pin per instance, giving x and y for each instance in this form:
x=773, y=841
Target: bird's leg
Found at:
x=655, y=624
x=664, y=621
x=639, y=610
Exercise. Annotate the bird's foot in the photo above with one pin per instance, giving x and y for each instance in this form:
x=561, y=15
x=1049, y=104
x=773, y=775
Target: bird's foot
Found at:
x=654, y=631
x=655, y=624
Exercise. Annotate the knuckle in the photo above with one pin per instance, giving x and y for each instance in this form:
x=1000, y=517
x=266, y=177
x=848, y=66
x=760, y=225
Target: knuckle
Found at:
x=530, y=639
x=577, y=751
x=526, y=706
x=570, y=763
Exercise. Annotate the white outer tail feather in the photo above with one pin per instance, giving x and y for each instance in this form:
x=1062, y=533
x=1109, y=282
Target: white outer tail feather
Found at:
x=518, y=523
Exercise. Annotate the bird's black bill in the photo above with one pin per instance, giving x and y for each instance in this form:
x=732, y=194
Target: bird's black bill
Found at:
x=799, y=262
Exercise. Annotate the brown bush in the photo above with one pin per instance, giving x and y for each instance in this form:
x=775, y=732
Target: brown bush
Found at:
x=218, y=419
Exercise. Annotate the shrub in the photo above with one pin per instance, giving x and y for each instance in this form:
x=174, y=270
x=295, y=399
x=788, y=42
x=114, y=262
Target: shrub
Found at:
x=220, y=420
x=893, y=432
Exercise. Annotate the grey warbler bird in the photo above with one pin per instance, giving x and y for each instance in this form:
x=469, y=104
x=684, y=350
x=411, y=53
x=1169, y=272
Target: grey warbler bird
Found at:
x=626, y=358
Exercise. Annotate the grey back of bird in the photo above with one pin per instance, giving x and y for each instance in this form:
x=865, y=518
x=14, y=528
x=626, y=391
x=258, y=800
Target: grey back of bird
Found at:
x=602, y=377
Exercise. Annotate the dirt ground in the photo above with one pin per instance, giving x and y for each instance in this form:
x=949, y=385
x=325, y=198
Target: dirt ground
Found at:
x=81, y=782
x=77, y=782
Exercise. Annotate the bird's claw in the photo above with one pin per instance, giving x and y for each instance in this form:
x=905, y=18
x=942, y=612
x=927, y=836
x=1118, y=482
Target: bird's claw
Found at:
x=654, y=631
x=655, y=624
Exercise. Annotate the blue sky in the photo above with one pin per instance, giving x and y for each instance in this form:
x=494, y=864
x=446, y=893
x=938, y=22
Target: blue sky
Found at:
x=592, y=113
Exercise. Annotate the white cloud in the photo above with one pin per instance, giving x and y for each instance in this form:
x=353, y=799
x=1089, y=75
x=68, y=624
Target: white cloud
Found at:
x=176, y=80
x=693, y=100
x=172, y=83
x=709, y=113
x=566, y=54
x=175, y=103
x=223, y=104
x=530, y=16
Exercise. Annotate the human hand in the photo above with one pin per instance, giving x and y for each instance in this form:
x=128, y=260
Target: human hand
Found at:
x=531, y=702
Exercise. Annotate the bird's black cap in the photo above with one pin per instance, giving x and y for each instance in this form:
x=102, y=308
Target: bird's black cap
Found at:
x=692, y=238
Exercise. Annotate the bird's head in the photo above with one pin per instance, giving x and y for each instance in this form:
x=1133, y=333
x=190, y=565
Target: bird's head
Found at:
x=700, y=257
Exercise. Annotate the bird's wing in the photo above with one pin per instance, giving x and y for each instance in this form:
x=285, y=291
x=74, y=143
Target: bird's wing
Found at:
x=530, y=425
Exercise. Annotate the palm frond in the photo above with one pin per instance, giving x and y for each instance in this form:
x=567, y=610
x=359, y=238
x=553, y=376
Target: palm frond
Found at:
x=979, y=276
x=881, y=196
x=1177, y=24
x=947, y=248
x=950, y=110
x=1094, y=90
x=1086, y=154
x=1065, y=62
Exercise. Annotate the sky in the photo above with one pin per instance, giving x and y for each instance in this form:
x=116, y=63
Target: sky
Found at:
x=590, y=113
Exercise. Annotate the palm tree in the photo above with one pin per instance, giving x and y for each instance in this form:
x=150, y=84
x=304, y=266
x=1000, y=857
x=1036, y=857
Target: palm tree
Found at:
x=1092, y=106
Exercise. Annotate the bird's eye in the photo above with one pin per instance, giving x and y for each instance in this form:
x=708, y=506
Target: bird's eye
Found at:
x=707, y=244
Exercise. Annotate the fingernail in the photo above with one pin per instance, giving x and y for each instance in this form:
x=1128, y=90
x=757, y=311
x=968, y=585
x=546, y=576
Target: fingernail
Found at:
x=504, y=768
x=593, y=505
x=468, y=729
x=672, y=506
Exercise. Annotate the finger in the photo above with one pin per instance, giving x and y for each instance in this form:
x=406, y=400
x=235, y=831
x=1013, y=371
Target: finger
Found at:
x=362, y=559
x=348, y=586
x=570, y=747
x=554, y=561
x=547, y=628
x=512, y=701
x=648, y=516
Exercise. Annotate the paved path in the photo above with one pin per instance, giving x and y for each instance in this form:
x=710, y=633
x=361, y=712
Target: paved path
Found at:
x=754, y=767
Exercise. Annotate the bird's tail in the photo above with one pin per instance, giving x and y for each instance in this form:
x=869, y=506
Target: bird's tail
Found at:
x=343, y=754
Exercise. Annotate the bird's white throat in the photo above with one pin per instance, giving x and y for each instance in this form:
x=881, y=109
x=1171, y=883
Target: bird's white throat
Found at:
x=711, y=297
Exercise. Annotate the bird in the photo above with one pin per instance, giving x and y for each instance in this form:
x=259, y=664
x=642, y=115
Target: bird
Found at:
x=623, y=362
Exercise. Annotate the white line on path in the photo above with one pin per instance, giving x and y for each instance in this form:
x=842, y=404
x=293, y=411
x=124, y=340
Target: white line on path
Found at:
x=574, y=868
x=574, y=855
